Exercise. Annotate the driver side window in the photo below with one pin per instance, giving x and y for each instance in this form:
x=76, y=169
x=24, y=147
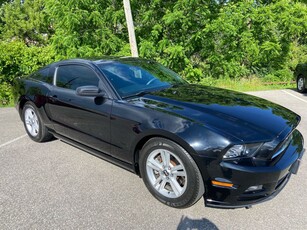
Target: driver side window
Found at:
x=74, y=76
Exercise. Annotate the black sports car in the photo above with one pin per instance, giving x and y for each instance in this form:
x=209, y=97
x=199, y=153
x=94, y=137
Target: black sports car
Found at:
x=185, y=141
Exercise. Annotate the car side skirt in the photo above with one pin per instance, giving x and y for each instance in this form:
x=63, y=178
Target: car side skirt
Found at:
x=106, y=157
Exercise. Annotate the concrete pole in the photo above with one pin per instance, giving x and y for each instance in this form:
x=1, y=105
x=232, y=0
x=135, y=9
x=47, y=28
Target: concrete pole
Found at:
x=132, y=40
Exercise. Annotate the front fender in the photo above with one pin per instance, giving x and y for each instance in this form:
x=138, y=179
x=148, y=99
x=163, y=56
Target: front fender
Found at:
x=195, y=139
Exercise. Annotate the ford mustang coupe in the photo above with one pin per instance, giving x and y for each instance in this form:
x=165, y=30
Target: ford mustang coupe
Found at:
x=185, y=141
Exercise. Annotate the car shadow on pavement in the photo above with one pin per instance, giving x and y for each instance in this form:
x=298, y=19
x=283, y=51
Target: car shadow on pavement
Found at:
x=188, y=223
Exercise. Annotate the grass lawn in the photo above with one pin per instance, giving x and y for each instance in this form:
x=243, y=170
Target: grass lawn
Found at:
x=254, y=84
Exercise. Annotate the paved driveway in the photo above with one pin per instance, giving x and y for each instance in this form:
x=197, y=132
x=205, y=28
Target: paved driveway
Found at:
x=56, y=186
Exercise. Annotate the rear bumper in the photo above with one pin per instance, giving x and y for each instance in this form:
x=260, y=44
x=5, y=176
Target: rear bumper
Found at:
x=268, y=181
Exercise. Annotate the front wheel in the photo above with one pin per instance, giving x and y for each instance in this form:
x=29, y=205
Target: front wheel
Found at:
x=34, y=126
x=170, y=173
x=301, y=84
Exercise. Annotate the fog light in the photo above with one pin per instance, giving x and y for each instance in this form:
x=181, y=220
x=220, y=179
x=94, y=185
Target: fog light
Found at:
x=254, y=188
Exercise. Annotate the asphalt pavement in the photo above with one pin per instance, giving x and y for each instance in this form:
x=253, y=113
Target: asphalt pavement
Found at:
x=56, y=186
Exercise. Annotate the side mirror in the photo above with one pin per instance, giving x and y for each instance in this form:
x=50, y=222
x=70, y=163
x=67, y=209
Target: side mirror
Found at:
x=90, y=91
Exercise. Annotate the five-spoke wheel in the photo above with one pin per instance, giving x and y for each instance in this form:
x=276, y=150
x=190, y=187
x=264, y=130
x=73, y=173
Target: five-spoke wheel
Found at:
x=33, y=123
x=166, y=173
x=301, y=87
x=170, y=173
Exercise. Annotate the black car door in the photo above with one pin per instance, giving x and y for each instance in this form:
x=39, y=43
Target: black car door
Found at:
x=85, y=119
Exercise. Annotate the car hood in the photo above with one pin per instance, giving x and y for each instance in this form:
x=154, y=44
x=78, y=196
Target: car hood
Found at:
x=245, y=117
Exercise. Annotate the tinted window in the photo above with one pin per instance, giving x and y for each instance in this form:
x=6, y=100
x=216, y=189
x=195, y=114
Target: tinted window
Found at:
x=43, y=75
x=74, y=76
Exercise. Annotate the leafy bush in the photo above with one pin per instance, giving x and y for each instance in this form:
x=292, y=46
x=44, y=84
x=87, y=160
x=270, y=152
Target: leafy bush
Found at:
x=202, y=40
x=17, y=60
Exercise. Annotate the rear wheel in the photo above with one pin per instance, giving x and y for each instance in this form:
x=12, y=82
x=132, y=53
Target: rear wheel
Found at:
x=33, y=123
x=170, y=173
x=301, y=84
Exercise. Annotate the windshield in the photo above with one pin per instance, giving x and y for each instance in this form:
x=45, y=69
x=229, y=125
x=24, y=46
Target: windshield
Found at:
x=131, y=78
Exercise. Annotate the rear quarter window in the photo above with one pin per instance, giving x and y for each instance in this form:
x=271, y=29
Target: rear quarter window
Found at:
x=43, y=75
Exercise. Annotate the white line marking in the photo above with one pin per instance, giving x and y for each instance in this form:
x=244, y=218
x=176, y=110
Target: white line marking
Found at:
x=11, y=141
x=294, y=96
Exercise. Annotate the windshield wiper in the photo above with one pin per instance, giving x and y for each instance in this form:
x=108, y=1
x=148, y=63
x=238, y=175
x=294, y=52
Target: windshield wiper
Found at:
x=149, y=91
x=138, y=94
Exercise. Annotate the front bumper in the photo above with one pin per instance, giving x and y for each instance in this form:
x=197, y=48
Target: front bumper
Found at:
x=270, y=180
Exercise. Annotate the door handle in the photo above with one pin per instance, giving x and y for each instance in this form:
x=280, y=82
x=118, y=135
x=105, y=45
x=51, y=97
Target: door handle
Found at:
x=53, y=98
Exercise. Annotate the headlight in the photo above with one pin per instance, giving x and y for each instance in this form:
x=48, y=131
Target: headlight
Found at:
x=242, y=150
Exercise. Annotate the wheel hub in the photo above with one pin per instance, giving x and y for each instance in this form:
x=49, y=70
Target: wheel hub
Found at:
x=166, y=173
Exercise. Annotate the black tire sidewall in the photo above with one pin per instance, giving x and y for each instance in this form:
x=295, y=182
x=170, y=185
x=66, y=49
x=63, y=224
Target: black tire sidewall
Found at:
x=190, y=196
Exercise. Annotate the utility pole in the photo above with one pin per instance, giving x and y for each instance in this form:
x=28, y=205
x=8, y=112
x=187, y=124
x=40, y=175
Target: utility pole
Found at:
x=132, y=40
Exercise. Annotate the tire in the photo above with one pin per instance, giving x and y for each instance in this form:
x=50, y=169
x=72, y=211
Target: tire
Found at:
x=34, y=126
x=301, y=84
x=170, y=173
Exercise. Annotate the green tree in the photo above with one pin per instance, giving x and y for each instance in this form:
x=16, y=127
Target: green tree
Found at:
x=26, y=21
x=214, y=39
x=87, y=27
x=201, y=39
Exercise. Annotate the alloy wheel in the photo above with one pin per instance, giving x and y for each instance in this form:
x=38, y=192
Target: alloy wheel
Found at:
x=31, y=122
x=300, y=84
x=166, y=173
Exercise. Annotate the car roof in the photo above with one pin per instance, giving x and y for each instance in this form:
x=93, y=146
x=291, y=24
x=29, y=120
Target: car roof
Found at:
x=98, y=60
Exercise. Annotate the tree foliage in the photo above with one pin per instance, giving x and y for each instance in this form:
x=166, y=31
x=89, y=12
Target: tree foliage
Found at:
x=201, y=39
x=26, y=21
x=87, y=27
x=241, y=38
